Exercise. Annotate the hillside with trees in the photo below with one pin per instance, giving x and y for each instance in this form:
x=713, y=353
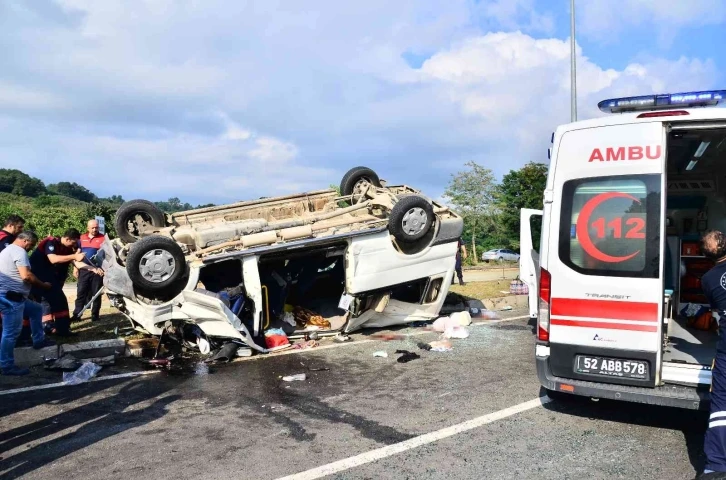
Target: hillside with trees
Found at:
x=52, y=209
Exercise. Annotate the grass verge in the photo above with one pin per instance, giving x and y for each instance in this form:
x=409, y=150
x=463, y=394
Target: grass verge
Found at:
x=481, y=290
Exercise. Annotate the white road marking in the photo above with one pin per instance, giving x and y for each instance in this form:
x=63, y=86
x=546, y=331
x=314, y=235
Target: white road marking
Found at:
x=390, y=450
x=63, y=384
x=243, y=359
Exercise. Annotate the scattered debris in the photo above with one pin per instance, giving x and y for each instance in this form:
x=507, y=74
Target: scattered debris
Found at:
x=86, y=371
x=142, y=347
x=308, y=318
x=407, y=356
x=441, y=346
x=306, y=345
x=67, y=362
x=312, y=336
x=341, y=338
x=276, y=339
x=388, y=336
x=462, y=318
x=456, y=332
x=294, y=378
x=424, y=346
x=319, y=369
x=244, y=352
x=507, y=308
x=419, y=324
x=381, y=354
x=226, y=353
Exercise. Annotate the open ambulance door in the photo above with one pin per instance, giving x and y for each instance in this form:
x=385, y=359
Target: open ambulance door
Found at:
x=529, y=258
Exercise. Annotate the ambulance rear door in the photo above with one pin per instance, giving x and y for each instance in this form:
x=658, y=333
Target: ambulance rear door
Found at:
x=604, y=264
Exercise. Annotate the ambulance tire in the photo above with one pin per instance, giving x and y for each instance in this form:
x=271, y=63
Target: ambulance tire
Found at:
x=411, y=218
x=127, y=213
x=356, y=175
x=156, y=266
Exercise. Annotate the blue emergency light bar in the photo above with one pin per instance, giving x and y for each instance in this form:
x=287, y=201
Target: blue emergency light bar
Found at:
x=658, y=102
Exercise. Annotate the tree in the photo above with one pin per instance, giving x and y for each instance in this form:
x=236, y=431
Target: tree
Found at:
x=73, y=190
x=115, y=200
x=471, y=192
x=523, y=188
x=19, y=183
x=173, y=205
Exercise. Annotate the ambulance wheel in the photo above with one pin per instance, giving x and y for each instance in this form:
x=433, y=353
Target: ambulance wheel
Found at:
x=356, y=180
x=136, y=216
x=157, y=265
x=411, y=218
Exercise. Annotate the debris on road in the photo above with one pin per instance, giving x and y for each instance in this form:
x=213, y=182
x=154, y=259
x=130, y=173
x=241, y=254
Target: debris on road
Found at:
x=294, y=378
x=507, y=308
x=441, y=346
x=276, y=339
x=456, y=332
x=342, y=338
x=407, y=356
x=306, y=345
x=67, y=362
x=388, y=336
x=142, y=347
x=226, y=353
x=86, y=371
x=380, y=354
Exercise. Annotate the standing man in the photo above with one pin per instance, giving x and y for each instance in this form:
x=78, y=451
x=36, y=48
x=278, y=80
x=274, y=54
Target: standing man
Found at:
x=16, y=280
x=90, y=277
x=14, y=224
x=713, y=246
x=460, y=250
x=50, y=263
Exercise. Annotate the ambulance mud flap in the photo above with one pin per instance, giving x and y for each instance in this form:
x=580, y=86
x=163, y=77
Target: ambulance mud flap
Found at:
x=666, y=395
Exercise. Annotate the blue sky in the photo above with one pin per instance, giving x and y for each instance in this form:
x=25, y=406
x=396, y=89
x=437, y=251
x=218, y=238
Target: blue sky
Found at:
x=219, y=101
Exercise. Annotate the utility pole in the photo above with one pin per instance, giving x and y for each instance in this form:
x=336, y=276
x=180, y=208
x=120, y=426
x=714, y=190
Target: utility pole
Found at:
x=573, y=68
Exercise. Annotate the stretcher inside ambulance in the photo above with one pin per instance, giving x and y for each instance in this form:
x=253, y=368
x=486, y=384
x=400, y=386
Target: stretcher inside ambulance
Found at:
x=615, y=281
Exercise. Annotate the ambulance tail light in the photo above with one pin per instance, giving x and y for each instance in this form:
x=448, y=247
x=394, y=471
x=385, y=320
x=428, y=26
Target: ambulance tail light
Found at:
x=545, y=297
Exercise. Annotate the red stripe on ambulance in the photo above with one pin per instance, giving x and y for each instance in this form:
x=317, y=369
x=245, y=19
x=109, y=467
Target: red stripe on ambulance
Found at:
x=610, y=309
x=611, y=326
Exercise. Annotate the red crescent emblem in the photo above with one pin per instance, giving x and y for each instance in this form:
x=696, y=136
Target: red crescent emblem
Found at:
x=583, y=234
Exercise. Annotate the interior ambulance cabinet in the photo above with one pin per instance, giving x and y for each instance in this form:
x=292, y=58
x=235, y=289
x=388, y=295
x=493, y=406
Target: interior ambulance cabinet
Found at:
x=696, y=265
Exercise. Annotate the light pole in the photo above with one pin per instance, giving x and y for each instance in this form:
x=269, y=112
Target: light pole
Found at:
x=573, y=68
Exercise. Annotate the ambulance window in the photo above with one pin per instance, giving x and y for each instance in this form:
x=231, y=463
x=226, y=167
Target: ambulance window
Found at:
x=611, y=226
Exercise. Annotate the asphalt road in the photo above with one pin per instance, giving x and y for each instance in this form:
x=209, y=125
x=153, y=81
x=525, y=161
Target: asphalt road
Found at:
x=242, y=421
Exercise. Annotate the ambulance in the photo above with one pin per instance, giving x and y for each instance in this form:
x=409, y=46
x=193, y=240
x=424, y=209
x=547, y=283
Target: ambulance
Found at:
x=614, y=281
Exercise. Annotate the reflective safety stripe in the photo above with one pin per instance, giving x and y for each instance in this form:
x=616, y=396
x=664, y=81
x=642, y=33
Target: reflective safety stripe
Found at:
x=717, y=423
x=717, y=415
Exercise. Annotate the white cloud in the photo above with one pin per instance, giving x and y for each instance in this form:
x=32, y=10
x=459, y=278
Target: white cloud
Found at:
x=604, y=19
x=217, y=100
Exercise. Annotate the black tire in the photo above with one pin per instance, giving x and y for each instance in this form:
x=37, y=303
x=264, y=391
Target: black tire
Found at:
x=501, y=259
x=355, y=175
x=406, y=229
x=156, y=265
x=126, y=214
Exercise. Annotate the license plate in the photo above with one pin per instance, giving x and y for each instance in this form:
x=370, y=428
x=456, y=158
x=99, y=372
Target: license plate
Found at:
x=612, y=367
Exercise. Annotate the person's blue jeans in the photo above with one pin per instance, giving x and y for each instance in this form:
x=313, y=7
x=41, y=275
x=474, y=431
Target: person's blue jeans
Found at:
x=12, y=313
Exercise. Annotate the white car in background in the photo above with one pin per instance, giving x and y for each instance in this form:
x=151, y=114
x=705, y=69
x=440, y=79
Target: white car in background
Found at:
x=500, y=255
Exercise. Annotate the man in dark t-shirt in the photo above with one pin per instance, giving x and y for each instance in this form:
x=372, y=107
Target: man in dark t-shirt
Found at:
x=713, y=246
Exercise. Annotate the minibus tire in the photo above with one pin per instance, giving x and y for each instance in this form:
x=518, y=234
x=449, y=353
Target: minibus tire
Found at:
x=156, y=265
x=127, y=212
x=411, y=218
x=355, y=175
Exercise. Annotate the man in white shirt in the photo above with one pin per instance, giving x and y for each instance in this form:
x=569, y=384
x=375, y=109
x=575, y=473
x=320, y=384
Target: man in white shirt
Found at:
x=16, y=280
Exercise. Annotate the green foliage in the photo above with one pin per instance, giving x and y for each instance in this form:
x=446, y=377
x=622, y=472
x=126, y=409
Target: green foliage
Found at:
x=19, y=183
x=73, y=190
x=519, y=189
x=491, y=210
x=471, y=192
x=173, y=205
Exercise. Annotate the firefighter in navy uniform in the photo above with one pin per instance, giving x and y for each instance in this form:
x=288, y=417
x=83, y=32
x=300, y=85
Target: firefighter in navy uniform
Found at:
x=49, y=262
x=14, y=225
x=713, y=246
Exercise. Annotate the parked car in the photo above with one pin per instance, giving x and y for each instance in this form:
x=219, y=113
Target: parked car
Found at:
x=500, y=255
x=372, y=255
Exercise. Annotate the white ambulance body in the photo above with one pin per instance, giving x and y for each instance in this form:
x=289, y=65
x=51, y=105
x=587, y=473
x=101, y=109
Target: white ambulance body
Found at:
x=617, y=270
